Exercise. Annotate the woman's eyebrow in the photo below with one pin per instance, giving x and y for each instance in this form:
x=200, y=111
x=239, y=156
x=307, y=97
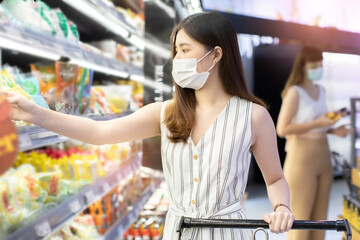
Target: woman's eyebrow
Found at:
x=183, y=44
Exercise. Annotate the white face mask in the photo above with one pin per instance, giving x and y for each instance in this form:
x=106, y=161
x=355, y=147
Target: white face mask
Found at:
x=185, y=74
x=315, y=74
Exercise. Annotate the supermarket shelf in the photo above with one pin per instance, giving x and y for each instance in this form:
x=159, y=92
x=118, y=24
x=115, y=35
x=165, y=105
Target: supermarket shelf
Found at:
x=16, y=38
x=56, y=217
x=103, y=16
x=119, y=228
x=103, y=186
x=31, y=137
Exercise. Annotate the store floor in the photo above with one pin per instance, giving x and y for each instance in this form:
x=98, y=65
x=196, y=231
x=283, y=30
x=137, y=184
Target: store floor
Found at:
x=257, y=204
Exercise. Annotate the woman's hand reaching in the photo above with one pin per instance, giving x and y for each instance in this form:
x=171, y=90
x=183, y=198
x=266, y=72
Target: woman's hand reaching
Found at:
x=21, y=107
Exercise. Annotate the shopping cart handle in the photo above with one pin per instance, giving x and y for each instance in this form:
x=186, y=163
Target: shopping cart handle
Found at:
x=339, y=225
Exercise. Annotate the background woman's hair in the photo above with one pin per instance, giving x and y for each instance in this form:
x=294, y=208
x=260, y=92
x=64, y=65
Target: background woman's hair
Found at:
x=211, y=29
x=306, y=54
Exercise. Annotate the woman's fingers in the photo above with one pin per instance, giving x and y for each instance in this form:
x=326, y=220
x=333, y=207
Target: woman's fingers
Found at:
x=279, y=222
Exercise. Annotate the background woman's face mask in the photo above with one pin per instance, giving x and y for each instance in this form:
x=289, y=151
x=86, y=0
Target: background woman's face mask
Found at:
x=315, y=74
x=185, y=74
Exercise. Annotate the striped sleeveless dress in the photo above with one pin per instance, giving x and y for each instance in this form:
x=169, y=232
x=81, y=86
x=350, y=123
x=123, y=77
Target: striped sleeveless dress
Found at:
x=209, y=180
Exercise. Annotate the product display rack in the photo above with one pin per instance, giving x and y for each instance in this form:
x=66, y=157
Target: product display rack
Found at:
x=351, y=203
x=355, y=124
x=119, y=228
x=56, y=217
x=24, y=42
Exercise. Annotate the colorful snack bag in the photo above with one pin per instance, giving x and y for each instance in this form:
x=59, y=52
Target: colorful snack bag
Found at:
x=83, y=90
x=50, y=183
x=30, y=84
x=66, y=75
x=45, y=72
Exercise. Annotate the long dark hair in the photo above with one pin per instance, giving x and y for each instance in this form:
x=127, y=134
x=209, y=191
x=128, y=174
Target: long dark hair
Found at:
x=210, y=29
x=306, y=54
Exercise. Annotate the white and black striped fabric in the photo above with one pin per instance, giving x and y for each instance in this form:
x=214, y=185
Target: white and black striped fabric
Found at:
x=209, y=180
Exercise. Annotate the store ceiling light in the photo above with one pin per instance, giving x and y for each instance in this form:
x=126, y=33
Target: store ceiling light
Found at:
x=7, y=43
x=99, y=68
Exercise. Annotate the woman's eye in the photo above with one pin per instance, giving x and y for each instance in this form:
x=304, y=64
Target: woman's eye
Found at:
x=184, y=50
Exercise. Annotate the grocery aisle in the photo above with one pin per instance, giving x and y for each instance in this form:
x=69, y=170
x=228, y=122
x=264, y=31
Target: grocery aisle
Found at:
x=257, y=204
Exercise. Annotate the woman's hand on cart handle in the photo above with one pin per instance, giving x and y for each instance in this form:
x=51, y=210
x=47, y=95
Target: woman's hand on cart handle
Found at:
x=281, y=220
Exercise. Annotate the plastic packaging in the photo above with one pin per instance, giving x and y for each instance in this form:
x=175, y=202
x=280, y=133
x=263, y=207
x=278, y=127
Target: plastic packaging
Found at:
x=45, y=72
x=66, y=76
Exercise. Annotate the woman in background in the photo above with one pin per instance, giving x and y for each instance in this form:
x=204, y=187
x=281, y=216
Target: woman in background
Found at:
x=303, y=122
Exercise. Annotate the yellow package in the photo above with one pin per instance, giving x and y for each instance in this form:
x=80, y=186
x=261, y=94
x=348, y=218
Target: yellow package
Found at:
x=25, y=184
x=7, y=83
x=10, y=213
x=91, y=171
x=50, y=183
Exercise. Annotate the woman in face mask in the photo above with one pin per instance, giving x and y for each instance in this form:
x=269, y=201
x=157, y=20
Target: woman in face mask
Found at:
x=303, y=121
x=208, y=132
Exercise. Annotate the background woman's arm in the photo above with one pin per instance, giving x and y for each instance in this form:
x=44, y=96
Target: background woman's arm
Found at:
x=288, y=110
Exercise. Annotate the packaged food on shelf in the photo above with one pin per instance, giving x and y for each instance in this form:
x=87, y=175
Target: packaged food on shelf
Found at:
x=29, y=13
x=150, y=223
x=99, y=103
x=28, y=82
x=43, y=178
x=83, y=91
x=118, y=96
x=22, y=197
x=39, y=17
x=8, y=83
x=66, y=79
x=133, y=19
x=137, y=93
x=46, y=74
x=82, y=227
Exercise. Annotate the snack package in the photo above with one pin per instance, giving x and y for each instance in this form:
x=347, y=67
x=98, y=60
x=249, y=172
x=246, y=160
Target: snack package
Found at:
x=28, y=82
x=99, y=103
x=29, y=14
x=46, y=75
x=73, y=33
x=83, y=90
x=50, y=182
x=45, y=13
x=25, y=184
x=66, y=76
x=63, y=25
x=336, y=115
x=11, y=212
x=7, y=83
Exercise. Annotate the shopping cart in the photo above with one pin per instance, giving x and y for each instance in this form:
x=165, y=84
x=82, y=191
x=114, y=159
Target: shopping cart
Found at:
x=339, y=225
